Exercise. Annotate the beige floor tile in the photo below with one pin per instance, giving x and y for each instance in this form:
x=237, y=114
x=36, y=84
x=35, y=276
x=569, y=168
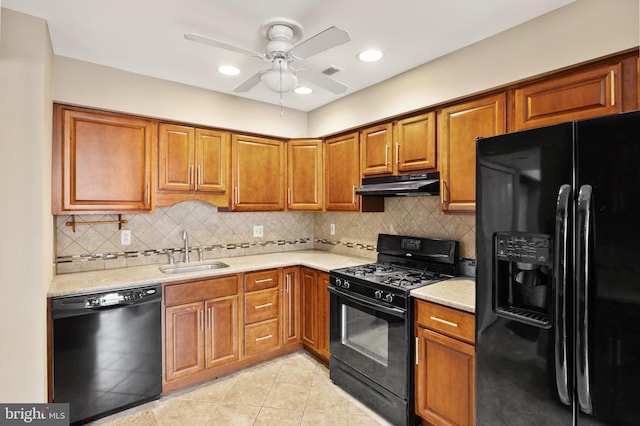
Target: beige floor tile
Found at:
x=141, y=418
x=285, y=395
x=214, y=391
x=295, y=374
x=181, y=412
x=292, y=390
x=324, y=418
x=278, y=417
x=248, y=392
x=326, y=397
x=234, y=415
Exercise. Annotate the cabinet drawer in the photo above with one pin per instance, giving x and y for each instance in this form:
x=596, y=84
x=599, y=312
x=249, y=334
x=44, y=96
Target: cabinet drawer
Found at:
x=261, y=337
x=448, y=321
x=196, y=291
x=261, y=280
x=260, y=305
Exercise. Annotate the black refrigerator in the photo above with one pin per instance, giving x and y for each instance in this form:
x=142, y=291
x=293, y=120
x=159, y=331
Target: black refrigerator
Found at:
x=558, y=275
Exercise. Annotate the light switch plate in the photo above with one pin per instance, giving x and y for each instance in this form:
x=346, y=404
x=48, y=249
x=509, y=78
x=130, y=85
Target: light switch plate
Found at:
x=332, y=229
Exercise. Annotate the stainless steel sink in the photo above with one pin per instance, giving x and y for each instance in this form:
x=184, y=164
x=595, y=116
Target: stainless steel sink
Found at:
x=192, y=267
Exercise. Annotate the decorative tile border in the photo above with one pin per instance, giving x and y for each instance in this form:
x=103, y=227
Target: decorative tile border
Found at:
x=163, y=252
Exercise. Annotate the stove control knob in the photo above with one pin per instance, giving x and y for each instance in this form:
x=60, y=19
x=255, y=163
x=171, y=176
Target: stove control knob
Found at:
x=378, y=294
x=388, y=298
x=346, y=284
x=338, y=282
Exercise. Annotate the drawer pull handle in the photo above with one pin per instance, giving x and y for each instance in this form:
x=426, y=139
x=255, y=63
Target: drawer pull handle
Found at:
x=266, y=305
x=452, y=324
x=268, y=336
x=266, y=280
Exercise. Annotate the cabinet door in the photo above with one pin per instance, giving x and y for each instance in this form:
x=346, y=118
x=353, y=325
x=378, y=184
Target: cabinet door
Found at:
x=375, y=150
x=583, y=94
x=258, y=173
x=459, y=127
x=415, y=139
x=184, y=342
x=444, y=379
x=309, y=295
x=323, y=316
x=304, y=175
x=291, y=305
x=212, y=160
x=175, y=157
x=342, y=173
x=101, y=162
x=222, y=337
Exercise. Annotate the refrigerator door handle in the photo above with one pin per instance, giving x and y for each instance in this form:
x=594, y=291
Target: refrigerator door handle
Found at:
x=583, y=261
x=560, y=268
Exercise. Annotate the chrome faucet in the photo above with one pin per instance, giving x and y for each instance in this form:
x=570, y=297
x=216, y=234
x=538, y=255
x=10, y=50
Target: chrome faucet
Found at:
x=185, y=237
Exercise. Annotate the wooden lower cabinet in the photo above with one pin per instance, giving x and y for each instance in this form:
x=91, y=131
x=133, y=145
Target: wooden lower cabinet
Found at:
x=444, y=373
x=261, y=312
x=221, y=339
x=184, y=339
x=291, y=312
x=201, y=326
x=315, y=312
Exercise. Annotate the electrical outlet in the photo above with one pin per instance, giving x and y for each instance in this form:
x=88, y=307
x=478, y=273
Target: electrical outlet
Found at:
x=258, y=231
x=332, y=229
x=125, y=237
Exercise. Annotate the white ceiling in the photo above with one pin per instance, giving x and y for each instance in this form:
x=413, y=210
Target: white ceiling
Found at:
x=146, y=36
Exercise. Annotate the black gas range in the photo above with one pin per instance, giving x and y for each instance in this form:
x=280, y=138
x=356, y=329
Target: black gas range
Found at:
x=403, y=264
x=371, y=321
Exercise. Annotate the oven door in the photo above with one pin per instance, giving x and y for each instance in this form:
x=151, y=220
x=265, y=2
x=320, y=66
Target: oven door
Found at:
x=370, y=338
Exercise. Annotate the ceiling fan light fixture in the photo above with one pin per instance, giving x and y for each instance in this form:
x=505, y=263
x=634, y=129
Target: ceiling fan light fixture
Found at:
x=280, y=81
x=303, y=90
x=370, y=55
x=228, y=70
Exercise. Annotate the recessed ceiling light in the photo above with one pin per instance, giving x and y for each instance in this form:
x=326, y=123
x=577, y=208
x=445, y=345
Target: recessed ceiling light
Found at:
x=303, y=90
x=370, y=55
x=228, y=70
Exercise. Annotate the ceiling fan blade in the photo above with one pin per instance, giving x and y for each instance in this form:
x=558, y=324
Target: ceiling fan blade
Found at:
x=323, y=81
x=331, y=37
x=249, y=83
x=221, y=44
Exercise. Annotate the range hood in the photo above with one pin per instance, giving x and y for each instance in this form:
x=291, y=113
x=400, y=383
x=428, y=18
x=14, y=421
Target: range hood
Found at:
x=401, y=185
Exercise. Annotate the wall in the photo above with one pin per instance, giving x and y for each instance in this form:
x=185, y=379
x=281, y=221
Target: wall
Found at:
x=578, y=32
x=83, y=83
x=94, y=247
x=25, y=184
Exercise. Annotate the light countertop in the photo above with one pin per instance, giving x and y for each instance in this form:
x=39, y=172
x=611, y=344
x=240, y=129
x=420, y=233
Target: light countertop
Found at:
x=113, y=279
x=458, y=293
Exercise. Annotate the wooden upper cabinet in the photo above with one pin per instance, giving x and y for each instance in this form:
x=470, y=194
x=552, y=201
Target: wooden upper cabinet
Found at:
x=458, y=128
x=415, y=139
x=582, y=94
x=405, y=146
x=192, y=164
x=258, y=173
x=101, y=162
x=304, y=174
x=342, y=172
x=376, y=150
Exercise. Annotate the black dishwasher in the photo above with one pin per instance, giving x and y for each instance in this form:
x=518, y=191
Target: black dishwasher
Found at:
x=107, y=351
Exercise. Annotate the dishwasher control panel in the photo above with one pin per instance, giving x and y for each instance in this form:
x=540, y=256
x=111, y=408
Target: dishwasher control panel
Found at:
x=115, y=298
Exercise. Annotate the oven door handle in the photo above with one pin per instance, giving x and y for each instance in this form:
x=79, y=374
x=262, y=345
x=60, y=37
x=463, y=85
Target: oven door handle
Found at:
x=396, y=312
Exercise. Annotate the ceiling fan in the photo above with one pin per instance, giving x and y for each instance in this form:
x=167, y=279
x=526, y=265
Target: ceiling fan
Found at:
x=281, y=50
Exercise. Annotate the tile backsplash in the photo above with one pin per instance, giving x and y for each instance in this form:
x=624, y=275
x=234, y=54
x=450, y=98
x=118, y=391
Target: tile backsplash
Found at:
x=93, y=247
